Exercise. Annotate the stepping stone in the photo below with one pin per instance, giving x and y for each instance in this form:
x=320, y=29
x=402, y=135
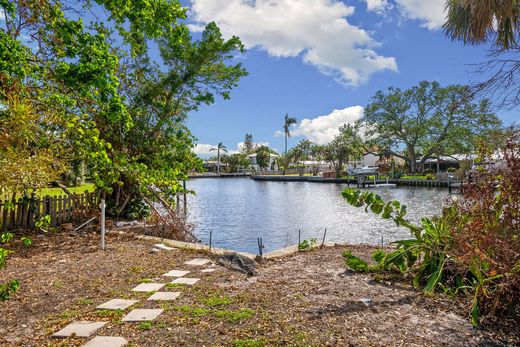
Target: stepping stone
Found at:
x=106, y=341
x=140, y=315
x=186, y=280
x=116, y=304
x=80, y=329
x=163, y=247
x=198, y=261
x=176, y=273
x=148, y=287
x=164, y=296
x=207, y=270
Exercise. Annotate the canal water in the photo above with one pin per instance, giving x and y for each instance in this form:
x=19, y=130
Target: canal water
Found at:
x=239, y=210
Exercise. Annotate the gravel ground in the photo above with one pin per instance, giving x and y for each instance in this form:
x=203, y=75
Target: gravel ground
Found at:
x=305, y=299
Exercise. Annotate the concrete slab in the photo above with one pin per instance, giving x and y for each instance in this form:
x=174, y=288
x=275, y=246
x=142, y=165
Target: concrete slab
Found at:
x=186, y=280
x=164, y=296
x=176, y=273
x=116, y=304
x=140, y=315
x=207, y=270
x=198, y=261
x=163, y=247
x=80, y=329
x=106, y=341
x=197, y=246
x=148, y=287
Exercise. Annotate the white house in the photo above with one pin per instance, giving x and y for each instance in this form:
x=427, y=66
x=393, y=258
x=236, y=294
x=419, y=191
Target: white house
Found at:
x=272, y=162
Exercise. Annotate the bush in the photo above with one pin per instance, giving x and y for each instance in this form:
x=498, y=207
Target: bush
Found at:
x=430, y=177
x=473, y=247
x=451, y=169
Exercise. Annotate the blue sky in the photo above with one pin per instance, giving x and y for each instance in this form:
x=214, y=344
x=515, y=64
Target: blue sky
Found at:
x=306, y=58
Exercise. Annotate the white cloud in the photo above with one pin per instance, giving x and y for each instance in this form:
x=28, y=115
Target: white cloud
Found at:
x=378, y=6
x=315, y=30
x=322, y=129
x=2, y=15
x=203, y=149
x=430, y=12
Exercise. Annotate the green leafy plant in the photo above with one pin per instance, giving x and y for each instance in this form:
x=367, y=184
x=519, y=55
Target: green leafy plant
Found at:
x=428, y=256
x=145, y=325
x=8, y=288
x=306, y=245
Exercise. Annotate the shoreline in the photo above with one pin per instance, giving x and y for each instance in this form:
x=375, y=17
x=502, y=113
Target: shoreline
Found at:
x=301, y=299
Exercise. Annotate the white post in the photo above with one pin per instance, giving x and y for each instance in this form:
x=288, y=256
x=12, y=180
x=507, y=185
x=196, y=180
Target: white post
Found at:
x=102, y=207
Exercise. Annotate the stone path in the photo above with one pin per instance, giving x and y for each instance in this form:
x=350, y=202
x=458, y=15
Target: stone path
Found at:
x=106, y=341
x=87, y=328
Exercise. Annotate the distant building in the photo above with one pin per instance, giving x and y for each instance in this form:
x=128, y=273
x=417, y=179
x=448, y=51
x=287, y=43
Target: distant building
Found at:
x=372, y=159
x=272, y=162
x=212, y=166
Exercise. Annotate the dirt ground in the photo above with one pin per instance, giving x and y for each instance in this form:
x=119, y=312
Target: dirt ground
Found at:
x=306, y=299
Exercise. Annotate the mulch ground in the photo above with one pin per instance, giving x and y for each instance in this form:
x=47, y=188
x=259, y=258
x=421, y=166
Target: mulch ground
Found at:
x=306, y=299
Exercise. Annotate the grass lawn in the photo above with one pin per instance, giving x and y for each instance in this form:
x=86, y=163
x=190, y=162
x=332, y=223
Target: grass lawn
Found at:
x=413, y=177
x=58, y=191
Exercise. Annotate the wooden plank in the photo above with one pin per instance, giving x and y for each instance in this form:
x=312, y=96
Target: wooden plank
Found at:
x=4, y=216
x=25, y=214
x=53, y=204
x=19, y=209
x=12, y=219
x=58, y=210
x=68, y=208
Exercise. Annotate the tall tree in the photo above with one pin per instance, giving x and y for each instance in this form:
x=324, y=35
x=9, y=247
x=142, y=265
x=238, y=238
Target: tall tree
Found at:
x=263, y=156
x=220, y=148
x=288, y=121
x=427, y=120
x=121, y=112
x=248, y=144
x=236, y=161
x=345, y=146
x=479, y=21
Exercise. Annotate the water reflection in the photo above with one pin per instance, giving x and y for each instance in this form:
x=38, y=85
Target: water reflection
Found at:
x=238, y=210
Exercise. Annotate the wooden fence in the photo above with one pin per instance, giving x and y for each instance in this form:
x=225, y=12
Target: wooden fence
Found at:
x=62, y=209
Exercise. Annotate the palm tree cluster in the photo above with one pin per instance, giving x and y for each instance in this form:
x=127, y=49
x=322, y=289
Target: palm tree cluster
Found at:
x=220, y=147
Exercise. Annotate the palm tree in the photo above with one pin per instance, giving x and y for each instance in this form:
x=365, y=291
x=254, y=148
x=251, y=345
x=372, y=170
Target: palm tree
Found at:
x=477, y=21
x=288, y=122
x=220, y=147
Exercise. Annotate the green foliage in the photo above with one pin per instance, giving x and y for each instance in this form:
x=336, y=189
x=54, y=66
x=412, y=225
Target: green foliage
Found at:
x=236, y=161
x=263, y=157
x=217, y=300
x=306, y=245
x=229, y=315
x=103, y=102
x=428, y=119
x=6, y=288
x=346, y=146
x=145, y=325
x=247, y=343
x=236, y=315
x=430, y=256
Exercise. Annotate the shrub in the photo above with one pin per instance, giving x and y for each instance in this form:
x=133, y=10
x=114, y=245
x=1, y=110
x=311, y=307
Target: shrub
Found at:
x=430, y=177
x=473, y=247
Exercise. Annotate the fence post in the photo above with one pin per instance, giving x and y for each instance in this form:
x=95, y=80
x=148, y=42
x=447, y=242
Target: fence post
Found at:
x=102, y=207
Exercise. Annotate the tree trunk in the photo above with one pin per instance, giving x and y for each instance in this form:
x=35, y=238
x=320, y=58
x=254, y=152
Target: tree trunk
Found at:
x=218, y=161
x=411, y=155
x=285, y=153
x=338, y=169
